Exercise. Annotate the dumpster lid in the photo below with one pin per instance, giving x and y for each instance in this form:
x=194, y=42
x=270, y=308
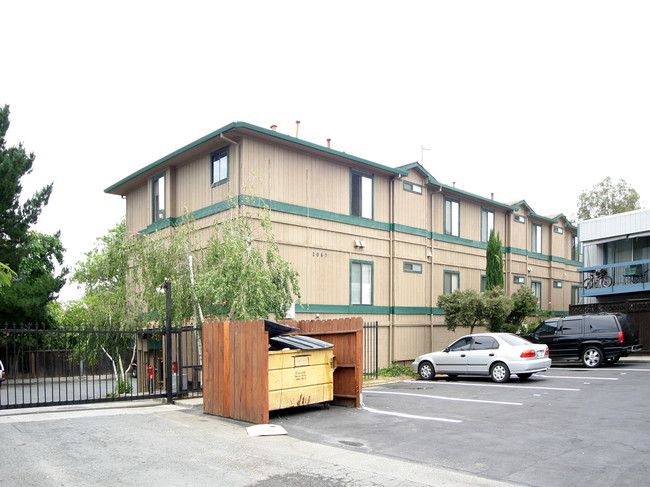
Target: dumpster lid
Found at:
x=277, y=329
x=298, y=342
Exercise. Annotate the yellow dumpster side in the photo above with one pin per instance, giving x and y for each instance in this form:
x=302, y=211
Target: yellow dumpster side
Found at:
x=300, y=377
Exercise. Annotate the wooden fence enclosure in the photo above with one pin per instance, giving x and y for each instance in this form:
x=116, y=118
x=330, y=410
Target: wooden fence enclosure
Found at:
x=235, y=365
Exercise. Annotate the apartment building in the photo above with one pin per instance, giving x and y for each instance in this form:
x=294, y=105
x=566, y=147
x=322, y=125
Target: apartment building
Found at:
x=367, y=239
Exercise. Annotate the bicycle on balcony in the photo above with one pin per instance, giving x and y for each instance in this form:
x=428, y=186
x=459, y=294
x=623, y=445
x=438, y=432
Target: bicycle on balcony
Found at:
x=597, y=279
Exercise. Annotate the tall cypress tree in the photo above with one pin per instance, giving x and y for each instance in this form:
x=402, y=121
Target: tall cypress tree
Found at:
x=494, y=269
x=29, y=256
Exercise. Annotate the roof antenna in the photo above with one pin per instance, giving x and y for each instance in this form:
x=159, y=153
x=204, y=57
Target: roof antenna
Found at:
x=422, y=149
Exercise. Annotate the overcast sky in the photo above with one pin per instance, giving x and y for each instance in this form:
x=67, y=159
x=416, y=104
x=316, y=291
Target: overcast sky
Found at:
x=526, y=100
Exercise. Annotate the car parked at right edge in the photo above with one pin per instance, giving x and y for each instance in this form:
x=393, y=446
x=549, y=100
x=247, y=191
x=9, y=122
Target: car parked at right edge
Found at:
x=594, y=339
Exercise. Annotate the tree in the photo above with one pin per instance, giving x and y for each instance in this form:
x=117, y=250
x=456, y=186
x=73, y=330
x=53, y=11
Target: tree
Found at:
x=494, y=267
x=6, y=274
x=29, y=256
x=607, y=198
x=244, y=276
x=524, y=303
x=497, y=309
x=15, y=219
x=36, y=282
x=462, y=308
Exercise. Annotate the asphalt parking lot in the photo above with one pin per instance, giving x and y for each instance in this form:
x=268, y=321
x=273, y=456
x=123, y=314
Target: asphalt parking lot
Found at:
x=567, y=426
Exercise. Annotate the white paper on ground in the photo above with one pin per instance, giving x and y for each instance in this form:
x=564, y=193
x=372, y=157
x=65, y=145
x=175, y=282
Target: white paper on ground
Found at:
x=266, y=430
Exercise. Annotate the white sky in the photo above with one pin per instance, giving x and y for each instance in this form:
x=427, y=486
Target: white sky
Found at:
x=526, y=100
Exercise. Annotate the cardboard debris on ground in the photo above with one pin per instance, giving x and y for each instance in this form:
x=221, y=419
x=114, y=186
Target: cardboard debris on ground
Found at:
x=266, y=430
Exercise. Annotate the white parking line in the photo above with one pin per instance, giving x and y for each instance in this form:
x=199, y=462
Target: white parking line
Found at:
x=470, y=384
x=575, y=377
x=411, y=416
x=443, y=398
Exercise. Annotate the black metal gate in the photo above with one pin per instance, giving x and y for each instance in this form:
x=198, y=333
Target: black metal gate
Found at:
x=46, y=367
x=370, y=350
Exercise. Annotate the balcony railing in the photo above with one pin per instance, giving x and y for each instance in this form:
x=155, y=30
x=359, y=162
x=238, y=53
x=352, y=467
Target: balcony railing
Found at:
x=626, y=277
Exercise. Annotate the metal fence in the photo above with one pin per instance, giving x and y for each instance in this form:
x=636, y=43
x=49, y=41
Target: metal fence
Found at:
x=46, y=367
x=370, y=350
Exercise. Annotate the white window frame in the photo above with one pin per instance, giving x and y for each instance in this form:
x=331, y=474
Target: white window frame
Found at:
x=158, y=198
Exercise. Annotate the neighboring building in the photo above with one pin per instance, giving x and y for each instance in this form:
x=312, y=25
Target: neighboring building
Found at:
x=367, y=239
x=620, y=244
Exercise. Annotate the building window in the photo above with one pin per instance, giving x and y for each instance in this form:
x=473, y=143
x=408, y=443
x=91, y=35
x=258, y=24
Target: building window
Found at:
x=452, y=281
x=537, y=238
x=413, y=267
x=219, y=167
x=483, y=282
x=412, y=187
x=452, y=217
x=537, y=291
x=575, y=294
x=519, y=280
x=557, y=284
x=520, y=218
x=361, y=195
x=558, y=229
x=487, y=224
x=574, y=247
x=361, y=283
x=158, y=198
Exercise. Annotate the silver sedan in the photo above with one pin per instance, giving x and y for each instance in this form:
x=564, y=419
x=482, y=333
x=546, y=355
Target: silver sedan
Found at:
x=497, y=355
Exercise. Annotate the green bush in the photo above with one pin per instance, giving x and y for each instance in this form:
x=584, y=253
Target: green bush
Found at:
x=395, y=370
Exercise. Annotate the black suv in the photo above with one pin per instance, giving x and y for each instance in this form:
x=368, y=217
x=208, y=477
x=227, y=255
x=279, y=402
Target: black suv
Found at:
x=594, y=339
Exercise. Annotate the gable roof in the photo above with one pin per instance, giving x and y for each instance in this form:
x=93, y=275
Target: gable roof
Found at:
x=247, y=128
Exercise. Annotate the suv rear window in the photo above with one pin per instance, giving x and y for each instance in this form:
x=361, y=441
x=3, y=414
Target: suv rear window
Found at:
x=600, y=324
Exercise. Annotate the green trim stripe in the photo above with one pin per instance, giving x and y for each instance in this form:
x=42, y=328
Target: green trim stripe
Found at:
x=256, y=202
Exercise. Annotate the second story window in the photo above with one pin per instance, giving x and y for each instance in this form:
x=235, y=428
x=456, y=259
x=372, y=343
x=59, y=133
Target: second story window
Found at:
x=219, y=166
x=158, y=198
x=574, y=249
x=537, y=238
x=487, y=224
x=452, y=217
x=361, y=195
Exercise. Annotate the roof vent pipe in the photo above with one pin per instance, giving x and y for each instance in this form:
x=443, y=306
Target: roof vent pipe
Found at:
x=328, y=143
x=492, y=194
x=274, y=127
x=297, y=127
x=454, y=183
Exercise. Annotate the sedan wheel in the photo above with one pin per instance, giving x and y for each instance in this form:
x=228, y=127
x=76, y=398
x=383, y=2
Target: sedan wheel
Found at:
x=500, y=372
x=592, y=357
x=426, y=370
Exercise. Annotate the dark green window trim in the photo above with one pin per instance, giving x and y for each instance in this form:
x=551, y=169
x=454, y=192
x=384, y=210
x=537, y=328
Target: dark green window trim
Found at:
x=448, y=281
x=452, y=228
x=485, y=231
x=361, y=265
x=414, y=267
x=158, y=213
x=357, y=196
x=220, y=157
x=517, y=279
x=534, y=241
x=534, y=284
x=483, y=282
x=412, y=187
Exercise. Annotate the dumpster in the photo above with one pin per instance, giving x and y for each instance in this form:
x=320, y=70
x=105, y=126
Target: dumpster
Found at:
x=301, y=370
